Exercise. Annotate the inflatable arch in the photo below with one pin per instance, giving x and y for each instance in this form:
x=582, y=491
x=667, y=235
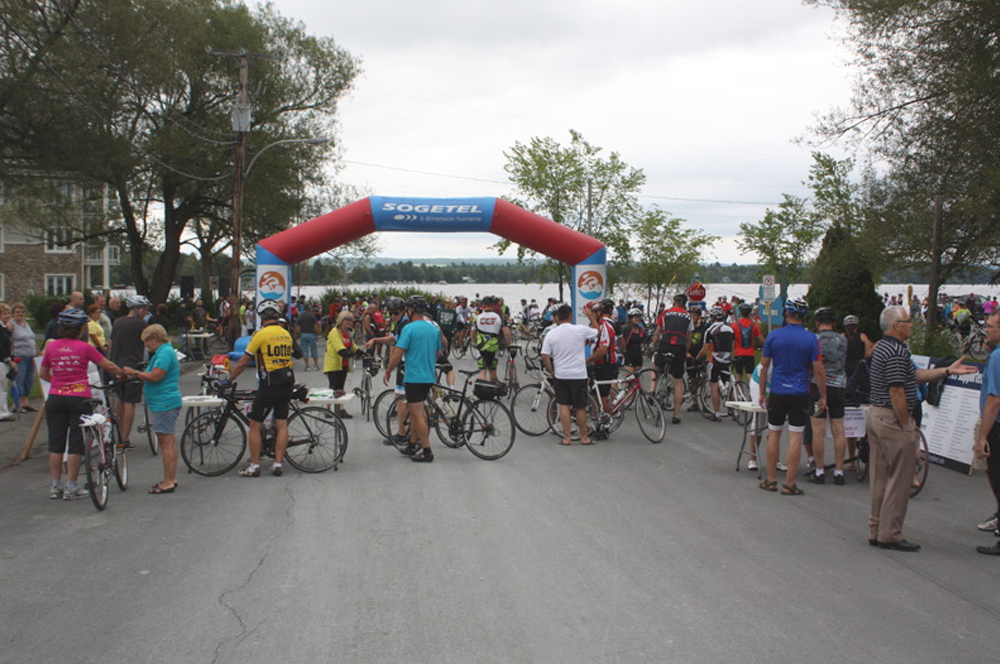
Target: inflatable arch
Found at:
x=587, y=256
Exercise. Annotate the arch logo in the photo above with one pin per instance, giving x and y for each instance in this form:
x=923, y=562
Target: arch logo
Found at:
x=271, y=285
x=590, y=284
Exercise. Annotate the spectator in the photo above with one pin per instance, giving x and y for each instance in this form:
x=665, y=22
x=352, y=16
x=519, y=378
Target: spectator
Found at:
x=24, y=348
x=114, y=309
x=163, y=397
x=308, y=326
x=989, y=428
x=128, y=351
x=339, y=349
x=160, y=317
x=95, y=333
x=105, y=320
x=8, y=368
x=892, y=430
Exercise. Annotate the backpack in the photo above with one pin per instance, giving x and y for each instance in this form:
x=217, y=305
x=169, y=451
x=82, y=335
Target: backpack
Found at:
x=746, y=334
x=859, y=383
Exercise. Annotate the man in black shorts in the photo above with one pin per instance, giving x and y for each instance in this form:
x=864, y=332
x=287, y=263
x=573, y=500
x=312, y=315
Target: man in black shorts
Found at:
x=128, y=350
x=671, y=339
x=563, y=354
x=271, y=350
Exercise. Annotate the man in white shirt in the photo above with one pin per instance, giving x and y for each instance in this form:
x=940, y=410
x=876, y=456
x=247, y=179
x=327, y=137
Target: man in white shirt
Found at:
x=564, y=356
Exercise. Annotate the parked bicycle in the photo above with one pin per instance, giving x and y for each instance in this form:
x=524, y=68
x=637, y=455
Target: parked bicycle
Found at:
x=369, y=369
x=603, y=423
x=214, y=442
x=730, y=389
x=530, y=403
x=103, y=454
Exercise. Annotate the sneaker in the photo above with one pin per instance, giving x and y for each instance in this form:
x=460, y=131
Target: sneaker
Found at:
x=991, y=523
x=249, y=471
x=715, y=418
x=275, y=470
x=410, y=450
x=56, y=492
x=75, y=494
x=8, y=418
x=752, y=464
x=781, y=466
x=423, y=456
x=816, y=479
x=811, y=467
x=675, y=420
x=838, y=479
x=344, y=415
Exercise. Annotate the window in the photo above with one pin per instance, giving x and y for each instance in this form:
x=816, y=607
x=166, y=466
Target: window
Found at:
x=59, y=284
x=57, y=241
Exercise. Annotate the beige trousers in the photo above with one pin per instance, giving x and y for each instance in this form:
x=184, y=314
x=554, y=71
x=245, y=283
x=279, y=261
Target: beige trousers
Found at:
x=892, y=462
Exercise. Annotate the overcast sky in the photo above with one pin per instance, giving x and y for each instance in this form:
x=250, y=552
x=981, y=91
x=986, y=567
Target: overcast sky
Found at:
x=705, y=97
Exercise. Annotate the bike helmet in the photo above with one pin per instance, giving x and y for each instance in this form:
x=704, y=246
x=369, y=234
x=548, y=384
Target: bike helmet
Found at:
x=269, y=310
x=680, y=299
x=717, y=313
x=416, y=302
x=137, y=301
x=73, y=318
x=745, y=309
x=489, y=301
x=635, y=311
x=825, y=315
x=608, y=305
x=797, y=308
x=394, y=304
x=851, y=320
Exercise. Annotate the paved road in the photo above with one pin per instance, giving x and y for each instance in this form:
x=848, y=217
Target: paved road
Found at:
x=624, y=552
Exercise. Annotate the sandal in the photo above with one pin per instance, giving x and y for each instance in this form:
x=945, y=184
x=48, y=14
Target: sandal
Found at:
x=791, y=490
x=157, y=490
x=29, y=409
x=768, y=486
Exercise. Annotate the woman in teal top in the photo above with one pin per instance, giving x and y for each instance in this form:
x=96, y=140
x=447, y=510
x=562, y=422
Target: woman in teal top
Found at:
x=163, y=398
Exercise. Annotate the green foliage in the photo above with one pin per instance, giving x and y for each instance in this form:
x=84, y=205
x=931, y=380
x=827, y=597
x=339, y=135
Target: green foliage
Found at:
x=932, y=343
x=352, y=294
x=842, y=281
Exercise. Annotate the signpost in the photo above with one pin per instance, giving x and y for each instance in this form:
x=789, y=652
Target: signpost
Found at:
x=768, y=283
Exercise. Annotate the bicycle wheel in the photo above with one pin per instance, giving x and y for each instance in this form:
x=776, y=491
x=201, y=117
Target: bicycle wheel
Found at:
x=119, y=458
x=740, y=392
x=213, y=446
x=555, y=425
x=529, y=409
x=923, y=465
x=391, y=423
x=317, y=439
x=380, y=405
x=704, y=400
x=146, y=427
x=366, y=395
x=977, y=349
x=652, y=423
x=861, y=460
x=489, y=429
x=449, y=429
x=98, y=479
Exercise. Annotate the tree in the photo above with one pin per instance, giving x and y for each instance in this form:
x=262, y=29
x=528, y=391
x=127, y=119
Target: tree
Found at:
x=783, y=239
x=666, y=253
x=125, y=94
x=576, y=186
x=924, y=106
x=843, y=282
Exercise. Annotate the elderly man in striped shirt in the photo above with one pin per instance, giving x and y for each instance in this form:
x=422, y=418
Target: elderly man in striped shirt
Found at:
x=891, y=428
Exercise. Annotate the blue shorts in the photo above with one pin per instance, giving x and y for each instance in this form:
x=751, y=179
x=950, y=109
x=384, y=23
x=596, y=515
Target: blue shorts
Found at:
x=307, y=341
x=165, y=421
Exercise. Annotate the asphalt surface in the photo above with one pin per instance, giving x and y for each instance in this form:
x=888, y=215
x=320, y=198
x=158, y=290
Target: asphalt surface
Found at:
x=622, y=552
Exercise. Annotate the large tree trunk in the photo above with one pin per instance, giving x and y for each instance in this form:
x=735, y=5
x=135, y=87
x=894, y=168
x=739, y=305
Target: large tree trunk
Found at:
x=934, y=279
x=136, y=242
x=166, y=266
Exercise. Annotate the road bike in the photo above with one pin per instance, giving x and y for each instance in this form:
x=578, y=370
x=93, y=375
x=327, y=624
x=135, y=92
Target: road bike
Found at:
x=214, y=442
x=730, y=389
x=369, y=369
x=478, y=422
x=973, y=345
x=387, y=397
x=603, y=423
x=104, y=456
x=510, y=379
x=529, y=404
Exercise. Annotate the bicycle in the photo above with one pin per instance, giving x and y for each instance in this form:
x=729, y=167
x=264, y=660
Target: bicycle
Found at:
x=510, y=379
x=648, y=412
x=480, y=423
x=529, y=404
x=369, y=369
x=103, y=454
x=387, y=397
x=215, y=441
x=729, y=390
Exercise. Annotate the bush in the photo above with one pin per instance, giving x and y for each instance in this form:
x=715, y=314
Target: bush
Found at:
x=932, y=344
x=842, y=281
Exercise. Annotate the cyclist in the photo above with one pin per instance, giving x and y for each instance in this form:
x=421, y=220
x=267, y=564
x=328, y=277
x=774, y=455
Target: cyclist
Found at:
x=719, y=341
x=747, y=339
x=672, y=339
x=397, y=322
x=419, y=342
x=699, y=326
x=128, y=350
x=65, y=366
x=488, y=328
x=464, y=313
x=604, y=359
x=790, y=352
x=833, y=348
x=632, y=340
x=271, y=349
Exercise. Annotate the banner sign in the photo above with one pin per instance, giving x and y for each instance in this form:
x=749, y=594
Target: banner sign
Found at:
x=948, y=426
x=437, y=215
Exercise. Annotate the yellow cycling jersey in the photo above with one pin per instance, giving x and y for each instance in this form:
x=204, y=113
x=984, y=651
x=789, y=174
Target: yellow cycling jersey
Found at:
x=271, y=348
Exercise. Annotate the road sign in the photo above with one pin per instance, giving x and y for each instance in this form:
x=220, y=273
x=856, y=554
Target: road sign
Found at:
x=768, y=283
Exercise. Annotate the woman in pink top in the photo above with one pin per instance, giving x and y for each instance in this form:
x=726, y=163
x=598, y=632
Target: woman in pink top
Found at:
x=65, y=366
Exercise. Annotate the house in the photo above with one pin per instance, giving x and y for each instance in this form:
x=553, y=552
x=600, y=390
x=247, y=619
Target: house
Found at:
x=42, y=221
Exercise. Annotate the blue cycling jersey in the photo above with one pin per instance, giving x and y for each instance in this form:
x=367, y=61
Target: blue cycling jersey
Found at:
x=792, y=349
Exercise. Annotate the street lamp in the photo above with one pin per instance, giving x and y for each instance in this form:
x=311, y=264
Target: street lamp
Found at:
x=241, y=176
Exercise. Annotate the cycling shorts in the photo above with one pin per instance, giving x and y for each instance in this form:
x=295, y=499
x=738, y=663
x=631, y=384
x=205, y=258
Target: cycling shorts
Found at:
x=487, y=360
x=633, y=357
x=271, y=398
x=672, y=358
x=717, y=369
x=417, y=392
x=836, y=399
x=743, y=364
x=793, y=407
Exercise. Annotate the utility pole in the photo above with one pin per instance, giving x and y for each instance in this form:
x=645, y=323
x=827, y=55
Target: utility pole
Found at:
x=242, y=120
